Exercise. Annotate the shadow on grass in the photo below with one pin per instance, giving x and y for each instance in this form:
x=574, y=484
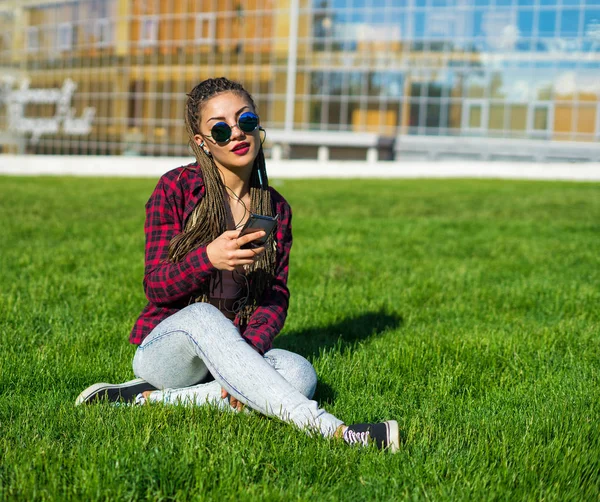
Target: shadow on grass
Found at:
x=342, y=336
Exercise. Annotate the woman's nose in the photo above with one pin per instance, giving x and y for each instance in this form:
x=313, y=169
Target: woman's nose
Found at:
x=236, y=131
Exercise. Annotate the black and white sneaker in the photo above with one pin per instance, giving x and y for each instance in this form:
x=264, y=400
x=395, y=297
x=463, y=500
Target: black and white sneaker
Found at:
x=127, y=392
x=384, y=435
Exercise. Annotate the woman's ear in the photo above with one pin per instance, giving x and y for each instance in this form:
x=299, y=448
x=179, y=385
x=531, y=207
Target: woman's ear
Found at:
x=200, y=142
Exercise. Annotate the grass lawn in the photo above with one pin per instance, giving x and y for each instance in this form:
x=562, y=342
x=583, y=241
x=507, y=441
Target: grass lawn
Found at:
x=468, y=310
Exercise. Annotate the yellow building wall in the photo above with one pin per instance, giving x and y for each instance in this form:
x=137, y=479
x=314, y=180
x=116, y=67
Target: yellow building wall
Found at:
x=372, y=120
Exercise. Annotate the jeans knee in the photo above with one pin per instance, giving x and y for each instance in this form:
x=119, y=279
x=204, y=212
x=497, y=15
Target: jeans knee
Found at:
x=168, y=360
x=296, y=369
x=202, y=309
x=308, y=377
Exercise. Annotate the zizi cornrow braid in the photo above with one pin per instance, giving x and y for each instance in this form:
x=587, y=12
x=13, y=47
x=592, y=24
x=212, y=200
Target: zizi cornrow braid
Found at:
x=209, y=219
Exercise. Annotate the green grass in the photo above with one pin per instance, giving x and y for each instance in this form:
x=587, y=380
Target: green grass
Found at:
x=466, y=310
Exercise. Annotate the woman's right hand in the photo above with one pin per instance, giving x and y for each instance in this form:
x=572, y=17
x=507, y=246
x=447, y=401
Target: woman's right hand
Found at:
x=225, y=251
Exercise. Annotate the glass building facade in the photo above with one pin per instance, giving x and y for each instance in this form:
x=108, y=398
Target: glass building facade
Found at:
x=110, y=76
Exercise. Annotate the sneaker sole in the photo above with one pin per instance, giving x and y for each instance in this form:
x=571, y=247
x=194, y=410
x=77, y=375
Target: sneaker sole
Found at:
x=113, y=392
x=394, y=435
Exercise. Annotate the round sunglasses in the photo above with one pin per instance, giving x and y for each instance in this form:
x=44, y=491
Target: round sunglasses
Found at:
x=247, y=122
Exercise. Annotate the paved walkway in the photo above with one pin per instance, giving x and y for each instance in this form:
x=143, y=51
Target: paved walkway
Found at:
x=153, y=167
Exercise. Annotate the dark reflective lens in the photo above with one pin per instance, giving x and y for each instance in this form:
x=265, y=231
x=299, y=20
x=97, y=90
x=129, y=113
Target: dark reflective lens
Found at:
x=248, y=121
x=221, y=132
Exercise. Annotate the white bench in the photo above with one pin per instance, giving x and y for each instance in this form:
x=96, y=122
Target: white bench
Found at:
x=377, y=147
x=489, y=149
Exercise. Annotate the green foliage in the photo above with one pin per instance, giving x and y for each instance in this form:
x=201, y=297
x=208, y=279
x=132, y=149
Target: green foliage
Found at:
x=466, y=310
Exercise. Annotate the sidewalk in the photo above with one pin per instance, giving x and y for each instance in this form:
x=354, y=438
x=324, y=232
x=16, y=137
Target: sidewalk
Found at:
x=153, y=167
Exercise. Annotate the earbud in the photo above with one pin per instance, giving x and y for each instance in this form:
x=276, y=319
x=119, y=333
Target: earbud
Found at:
x=201, y=145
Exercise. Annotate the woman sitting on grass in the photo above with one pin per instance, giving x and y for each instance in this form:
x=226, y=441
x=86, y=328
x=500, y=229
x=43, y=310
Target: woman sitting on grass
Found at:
x=215, y=306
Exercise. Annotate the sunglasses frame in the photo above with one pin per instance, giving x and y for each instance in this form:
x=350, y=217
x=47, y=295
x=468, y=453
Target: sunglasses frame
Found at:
x=228, y=139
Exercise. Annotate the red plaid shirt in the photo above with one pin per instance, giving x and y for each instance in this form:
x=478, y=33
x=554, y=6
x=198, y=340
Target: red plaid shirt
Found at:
x=171, y=286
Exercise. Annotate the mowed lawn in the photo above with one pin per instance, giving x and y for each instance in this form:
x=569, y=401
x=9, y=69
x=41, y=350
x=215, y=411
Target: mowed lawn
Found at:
x=467, y=310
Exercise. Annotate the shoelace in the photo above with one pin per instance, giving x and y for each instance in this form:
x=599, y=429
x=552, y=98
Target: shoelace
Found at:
x=352, y=437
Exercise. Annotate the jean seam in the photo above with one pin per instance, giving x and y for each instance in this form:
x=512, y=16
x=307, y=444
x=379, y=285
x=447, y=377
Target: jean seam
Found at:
x=248, y=400
x=205, y=358
x=162, y=335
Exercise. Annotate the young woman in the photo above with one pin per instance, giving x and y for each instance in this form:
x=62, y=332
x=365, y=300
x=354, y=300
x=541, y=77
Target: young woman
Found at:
x=216, y=304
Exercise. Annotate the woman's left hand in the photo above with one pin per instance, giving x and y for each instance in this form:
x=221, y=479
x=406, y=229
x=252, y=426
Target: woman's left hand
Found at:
x=233, y=402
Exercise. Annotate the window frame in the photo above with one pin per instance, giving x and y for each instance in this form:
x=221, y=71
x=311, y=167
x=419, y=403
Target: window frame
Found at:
x=104, y=26
x=32, y=30
x=484, y=103
x=61, y=29
x=149, y=38
x=539, y=133
x=199, y=20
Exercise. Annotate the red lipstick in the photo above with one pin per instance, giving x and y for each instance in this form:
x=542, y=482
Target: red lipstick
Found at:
x=241, y=148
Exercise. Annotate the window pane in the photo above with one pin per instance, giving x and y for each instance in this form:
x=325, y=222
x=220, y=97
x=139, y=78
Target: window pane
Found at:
x=334, y=115
x=475, y=116
x=496, y=121
x=414, y=113
x=315, y=113
x=475, y=87
x=355, y=83
x=416, y=88
x=518, y=117
x=335, y=83
x=387, y=84
x=432, y=117
x=355, y=115
x=317, y=83
x=547, y=23
x=586, y=119
x=497, y=86
x=569, y=23
x=544, y=91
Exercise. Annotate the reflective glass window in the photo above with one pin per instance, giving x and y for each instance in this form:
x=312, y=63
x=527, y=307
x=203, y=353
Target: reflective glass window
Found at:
x=388, y=84
x=541, y=118
x=317, y=83
x=496, y=118
x=335, y=80
x=334, y=112
x=586, y=119
x=475, y=116
x=569, y=23
x=547, y=23
x=525, y=22
x=475, y=86
x=355, y=82
x=517, y=117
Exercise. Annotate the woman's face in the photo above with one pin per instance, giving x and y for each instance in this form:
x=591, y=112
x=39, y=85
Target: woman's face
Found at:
x=242, y=148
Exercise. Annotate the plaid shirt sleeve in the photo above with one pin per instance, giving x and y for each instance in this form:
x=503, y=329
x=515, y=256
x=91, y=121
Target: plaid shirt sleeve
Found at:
x=166, y=282
x=268, y=319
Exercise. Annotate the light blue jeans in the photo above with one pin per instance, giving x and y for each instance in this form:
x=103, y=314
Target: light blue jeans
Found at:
x=182, y=350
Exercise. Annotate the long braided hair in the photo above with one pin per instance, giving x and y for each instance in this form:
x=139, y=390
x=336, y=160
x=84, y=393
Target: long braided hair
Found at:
x=209, y=218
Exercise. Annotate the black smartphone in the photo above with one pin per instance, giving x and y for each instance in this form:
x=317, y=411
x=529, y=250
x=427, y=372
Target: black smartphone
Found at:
x=258, y=222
